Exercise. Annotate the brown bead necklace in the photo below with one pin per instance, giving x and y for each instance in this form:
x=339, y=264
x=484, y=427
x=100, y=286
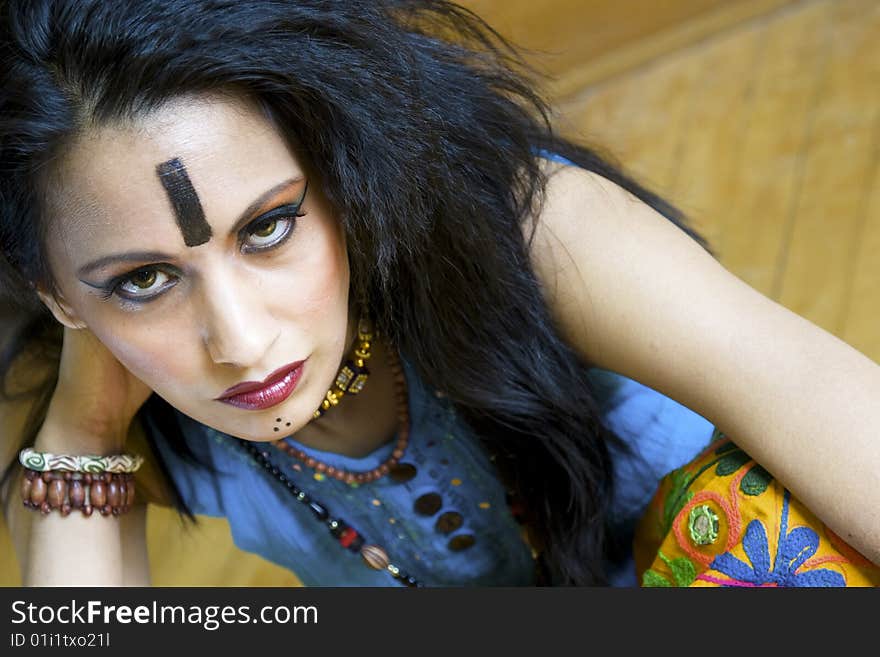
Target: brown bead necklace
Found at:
x=348, y=537
x=349, y=477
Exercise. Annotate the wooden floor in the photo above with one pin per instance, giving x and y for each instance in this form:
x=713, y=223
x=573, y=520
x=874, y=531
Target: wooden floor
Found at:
x=767, y=133
x=768, y=136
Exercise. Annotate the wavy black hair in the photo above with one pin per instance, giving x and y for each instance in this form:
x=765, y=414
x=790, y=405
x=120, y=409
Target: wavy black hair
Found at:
x=423, y=124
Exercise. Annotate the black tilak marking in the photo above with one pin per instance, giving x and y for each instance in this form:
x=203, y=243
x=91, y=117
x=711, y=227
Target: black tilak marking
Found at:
x=185, y=202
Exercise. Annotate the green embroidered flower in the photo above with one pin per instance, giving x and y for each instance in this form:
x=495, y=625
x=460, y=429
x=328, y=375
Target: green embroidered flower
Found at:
x=756, y=481
x=683, y=572
x=676, y=497
x=732, y=458
x=732, y=461
x=703, y=525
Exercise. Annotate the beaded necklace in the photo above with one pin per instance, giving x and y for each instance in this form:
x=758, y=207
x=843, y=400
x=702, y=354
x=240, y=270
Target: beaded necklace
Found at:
x=397, y=453
x=348, y=537
x=352, y=376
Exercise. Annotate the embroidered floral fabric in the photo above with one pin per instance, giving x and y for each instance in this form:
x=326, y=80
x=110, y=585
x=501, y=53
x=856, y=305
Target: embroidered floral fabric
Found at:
x=722, y=520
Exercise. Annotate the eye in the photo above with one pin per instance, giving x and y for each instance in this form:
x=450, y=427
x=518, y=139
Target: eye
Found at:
x=268, y=232
x=143, y=284
x=272, y=229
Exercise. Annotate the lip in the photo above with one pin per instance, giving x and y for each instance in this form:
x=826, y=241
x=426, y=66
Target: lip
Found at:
x=257, y=395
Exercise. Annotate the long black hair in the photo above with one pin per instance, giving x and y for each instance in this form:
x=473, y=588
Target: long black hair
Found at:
x=423, y=124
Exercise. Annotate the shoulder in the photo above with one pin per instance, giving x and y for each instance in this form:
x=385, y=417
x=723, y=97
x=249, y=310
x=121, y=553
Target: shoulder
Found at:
x=634, y=294
x=598, y=251
x=583, y=214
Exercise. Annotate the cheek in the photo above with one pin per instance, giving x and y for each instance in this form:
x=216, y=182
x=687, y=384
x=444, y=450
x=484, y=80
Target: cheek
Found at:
x=147, y=355
x=147, y=344
x=315, y=284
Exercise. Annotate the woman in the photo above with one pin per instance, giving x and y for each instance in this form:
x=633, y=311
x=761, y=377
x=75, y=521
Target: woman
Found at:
x=320, y=261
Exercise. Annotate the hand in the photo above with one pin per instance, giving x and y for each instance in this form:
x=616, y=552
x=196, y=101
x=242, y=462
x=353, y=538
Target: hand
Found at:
x=95, y=399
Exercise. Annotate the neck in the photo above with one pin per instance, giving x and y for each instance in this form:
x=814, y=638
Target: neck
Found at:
x=360, y=423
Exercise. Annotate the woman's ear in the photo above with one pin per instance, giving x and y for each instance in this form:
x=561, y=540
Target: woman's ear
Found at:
x=59, y=308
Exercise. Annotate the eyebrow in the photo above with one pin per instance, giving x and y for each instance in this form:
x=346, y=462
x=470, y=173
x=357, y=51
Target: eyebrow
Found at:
x=250, y=212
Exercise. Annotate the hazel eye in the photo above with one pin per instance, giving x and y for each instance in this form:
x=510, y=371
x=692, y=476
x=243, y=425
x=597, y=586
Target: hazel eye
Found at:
x=271, y=230
x=141, y=281
x=144, y=279
x=268, y=231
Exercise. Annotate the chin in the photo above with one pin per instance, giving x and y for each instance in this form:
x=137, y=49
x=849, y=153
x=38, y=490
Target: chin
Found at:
x=263, y=438
x=264, y=434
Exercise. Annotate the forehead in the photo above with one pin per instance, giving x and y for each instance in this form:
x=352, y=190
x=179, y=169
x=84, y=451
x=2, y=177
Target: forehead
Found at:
x=108, y=177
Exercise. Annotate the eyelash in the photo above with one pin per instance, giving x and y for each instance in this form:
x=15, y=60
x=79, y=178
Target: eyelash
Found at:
x=289, y=213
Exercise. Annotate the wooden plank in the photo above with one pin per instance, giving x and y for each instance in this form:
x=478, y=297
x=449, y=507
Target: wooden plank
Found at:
x=9, y=570
x=861, y=317
x=708, y=158
x=643, y=119
x=581, y=42
x=753, y=212
x=816, y=270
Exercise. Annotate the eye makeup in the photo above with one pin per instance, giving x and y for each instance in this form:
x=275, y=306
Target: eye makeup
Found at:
x=184, y=201
x=285, y=215
x=258, y=208
x=281, y=220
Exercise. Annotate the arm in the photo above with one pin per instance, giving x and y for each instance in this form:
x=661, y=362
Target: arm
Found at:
x=75, y=551
x=633, y=294
x=122, y=556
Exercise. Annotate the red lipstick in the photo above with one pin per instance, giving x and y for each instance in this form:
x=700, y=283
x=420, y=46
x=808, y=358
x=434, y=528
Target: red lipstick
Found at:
x=258, y=395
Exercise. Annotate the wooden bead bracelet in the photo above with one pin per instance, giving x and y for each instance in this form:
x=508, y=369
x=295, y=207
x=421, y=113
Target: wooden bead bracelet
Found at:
x=109, y=493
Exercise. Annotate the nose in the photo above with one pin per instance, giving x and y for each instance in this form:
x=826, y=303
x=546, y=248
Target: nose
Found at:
x=235, y=329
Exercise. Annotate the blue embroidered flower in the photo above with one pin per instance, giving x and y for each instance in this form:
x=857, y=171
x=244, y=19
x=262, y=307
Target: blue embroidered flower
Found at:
x=794, y=548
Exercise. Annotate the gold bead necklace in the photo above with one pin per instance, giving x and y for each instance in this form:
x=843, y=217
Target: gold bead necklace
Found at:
x=353, y=374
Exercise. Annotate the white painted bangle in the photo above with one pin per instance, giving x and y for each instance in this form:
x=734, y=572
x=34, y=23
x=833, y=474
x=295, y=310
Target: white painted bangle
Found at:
x=94, y=464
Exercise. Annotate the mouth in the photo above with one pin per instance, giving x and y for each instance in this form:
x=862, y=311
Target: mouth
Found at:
x=258, y=395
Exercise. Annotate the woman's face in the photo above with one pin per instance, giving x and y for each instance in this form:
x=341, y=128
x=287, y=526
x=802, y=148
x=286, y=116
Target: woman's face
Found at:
x=195, y=247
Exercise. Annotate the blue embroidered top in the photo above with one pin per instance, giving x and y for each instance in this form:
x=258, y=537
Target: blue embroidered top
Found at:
x=485, y=550
x=450, y=462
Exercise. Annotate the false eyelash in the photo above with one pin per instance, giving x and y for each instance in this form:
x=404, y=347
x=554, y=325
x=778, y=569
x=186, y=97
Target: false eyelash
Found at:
x=290, y=212
x=107, y=291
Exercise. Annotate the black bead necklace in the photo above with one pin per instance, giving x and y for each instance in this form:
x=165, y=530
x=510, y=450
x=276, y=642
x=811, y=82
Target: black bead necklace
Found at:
x=348, y=537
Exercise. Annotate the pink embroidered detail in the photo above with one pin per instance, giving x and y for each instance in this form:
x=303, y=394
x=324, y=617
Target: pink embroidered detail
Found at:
x=828, y=558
